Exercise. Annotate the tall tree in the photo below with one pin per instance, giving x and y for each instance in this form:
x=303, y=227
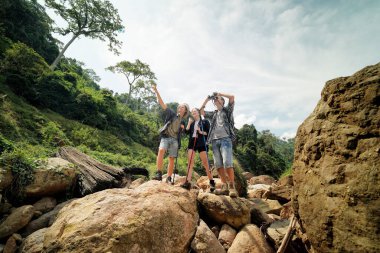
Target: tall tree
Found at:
x=138, y=74
x=96, y=19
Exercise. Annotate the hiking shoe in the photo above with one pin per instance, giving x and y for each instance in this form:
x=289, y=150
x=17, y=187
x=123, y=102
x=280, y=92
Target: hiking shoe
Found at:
x=158, y=176
x=222, y=191
x=212, y=185
x=169, y=180
x=233, y=193
x=186, y=185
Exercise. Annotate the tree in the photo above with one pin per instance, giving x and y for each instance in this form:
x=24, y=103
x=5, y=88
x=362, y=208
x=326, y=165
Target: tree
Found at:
x=246, y=148
x=138, y=74
x=96, y=19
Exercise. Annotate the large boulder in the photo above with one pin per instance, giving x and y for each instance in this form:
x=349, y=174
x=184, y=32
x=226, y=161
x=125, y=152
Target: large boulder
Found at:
x=53, y=176
x=45, y=204
x=205, y=240
x=336, y=168
x=34, y=243
x=18, y=219
x=154, y=217
x=235, y=212
x=250, y=240
x=227, y=236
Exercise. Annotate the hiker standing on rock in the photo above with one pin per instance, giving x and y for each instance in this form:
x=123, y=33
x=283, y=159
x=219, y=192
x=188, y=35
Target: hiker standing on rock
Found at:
x=220, y=136
x=197, y=128
x=170, y=135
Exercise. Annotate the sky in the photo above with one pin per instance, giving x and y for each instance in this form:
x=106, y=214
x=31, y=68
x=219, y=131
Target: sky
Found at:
x=273, y=56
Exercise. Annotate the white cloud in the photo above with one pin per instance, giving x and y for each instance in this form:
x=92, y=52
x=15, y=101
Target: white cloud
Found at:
x=241, y=119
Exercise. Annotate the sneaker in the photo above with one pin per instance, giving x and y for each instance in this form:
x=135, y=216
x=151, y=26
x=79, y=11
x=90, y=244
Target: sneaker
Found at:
x=158, y=176
x=169, y=180
x=212, y=185
x=223, y=190
x=186, y=185
x=233, y=193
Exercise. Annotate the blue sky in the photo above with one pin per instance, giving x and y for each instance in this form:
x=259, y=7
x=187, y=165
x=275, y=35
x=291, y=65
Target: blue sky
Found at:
x=274, y=56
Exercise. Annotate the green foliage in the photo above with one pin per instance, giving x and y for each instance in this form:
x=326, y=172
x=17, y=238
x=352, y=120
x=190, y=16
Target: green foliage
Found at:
x=96, y=19
x=5, y=145
x=88, y=76
x=52, y=135
x=5, y=43
x=246, y=148
x=22, y=67
x=287, y=172
x=55, y=92
x=268, y=164
x=263, y=153
x=139, y=77
x=26, y=21
x=241, y=180
x=22, y=167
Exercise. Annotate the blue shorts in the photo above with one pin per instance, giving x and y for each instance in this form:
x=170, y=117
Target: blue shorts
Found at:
x=222, y=152
x=170, y=144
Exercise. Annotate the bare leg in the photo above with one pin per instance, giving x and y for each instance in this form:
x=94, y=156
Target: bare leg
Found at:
x=171, y=166
x=222, y=174
x=231, y=175
x=160, y=158
x=190, y=163
x=205, y=164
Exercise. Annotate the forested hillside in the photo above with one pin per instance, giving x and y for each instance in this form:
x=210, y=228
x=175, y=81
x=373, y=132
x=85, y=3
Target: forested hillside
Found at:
x=42, y=108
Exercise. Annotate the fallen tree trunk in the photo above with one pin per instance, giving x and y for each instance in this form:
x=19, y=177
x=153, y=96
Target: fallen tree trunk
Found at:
x=94, y=176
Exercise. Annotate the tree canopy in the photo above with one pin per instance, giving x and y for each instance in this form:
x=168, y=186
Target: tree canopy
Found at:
x=96, y=19
x=139, y=77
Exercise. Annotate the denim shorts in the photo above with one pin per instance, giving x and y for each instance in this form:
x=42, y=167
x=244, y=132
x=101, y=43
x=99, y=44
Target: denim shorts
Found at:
x=222, y=151
x=170, y=144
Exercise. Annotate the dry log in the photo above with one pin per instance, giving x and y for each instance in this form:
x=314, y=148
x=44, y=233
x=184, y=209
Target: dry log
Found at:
x=94, y=176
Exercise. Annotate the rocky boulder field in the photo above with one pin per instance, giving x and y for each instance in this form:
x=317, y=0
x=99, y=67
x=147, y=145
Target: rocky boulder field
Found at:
x=149, y=216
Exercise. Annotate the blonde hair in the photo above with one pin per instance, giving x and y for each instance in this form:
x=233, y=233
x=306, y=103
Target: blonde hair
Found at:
x=187, y=109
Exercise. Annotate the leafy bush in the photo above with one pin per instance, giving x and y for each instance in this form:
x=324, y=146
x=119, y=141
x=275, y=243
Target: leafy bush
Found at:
x=52, y=135
x=22, y=67
x=56, y=93
x=5, y=145
x=22, y=167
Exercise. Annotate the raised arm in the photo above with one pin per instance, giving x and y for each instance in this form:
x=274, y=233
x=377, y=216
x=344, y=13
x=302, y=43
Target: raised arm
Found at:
x=231, y=98
x=202, y=109
x=160, y=101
